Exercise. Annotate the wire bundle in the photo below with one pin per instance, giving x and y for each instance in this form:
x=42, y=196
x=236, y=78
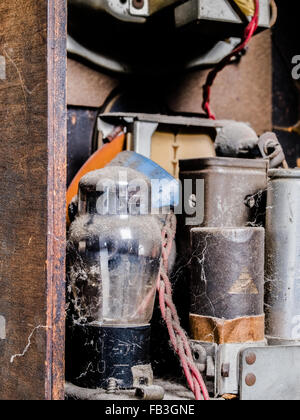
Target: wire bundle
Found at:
x=177, y=335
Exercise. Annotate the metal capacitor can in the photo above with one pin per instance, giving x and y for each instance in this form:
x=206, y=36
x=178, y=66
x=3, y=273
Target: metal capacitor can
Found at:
x=283, y=256
x=233, y=189
x=227, y=285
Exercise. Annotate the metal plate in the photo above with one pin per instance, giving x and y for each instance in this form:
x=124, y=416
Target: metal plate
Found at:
x=119, y=118
x=205, y=357
x=217, y=11
x=218, y=359
x=276, y=373
x=148, y=7
x=118, y=9
x=228, y=354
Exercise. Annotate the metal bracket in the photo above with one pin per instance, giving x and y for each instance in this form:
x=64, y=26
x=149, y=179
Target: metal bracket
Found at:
x=148, y=7
x=123, y=118
x=205, y=355
x=217, y=11
x=270, y=373
x=143, y=126
x=272, y=150
x=118, y=9
x=142, y=137
x=227, y=367
x=219, y=364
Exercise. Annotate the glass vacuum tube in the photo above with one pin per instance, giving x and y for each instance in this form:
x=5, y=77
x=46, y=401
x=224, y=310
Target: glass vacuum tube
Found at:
x=114, y=252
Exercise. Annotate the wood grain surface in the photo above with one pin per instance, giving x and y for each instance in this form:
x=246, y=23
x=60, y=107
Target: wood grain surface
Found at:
x=32, y=198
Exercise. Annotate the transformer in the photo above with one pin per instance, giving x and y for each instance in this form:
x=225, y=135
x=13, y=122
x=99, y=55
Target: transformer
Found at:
x=157, y=36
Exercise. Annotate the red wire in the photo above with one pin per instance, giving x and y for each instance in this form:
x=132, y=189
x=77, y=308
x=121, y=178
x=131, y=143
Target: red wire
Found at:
x=177, y=335
x=248, y=34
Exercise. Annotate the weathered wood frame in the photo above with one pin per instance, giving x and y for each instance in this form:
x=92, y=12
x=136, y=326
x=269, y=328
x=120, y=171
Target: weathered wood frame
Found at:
x=32, y=198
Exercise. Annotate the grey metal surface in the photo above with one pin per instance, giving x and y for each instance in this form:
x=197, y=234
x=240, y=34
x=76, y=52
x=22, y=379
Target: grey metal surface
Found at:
x=229, y=354
x=272, y=150
x=216, y=10
x=142, y=137
x=224, y=360
x=126, y=10
x=236, y=140
x=215, y=55
x=146, y=8
x=228, y=184
x=283, y=255
x=205, y=357
x=150, y=393
x=273, y=341
x=119, y=9
x=101, y=60
x=116, y=118
x=275, y=373
x=143, y=126
x=173, y=391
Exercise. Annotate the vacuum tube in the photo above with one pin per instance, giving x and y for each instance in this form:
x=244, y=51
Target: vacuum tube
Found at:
x=114, y=253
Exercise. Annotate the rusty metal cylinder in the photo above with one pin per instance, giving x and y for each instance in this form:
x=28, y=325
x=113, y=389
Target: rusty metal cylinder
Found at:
x=227, y=285
x=233, y=189
x=283, y=257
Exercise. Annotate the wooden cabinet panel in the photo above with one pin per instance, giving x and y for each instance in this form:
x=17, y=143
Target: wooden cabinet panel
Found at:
x=32, y=198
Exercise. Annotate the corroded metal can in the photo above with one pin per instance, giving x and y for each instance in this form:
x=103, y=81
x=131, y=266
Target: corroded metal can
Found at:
x=283, y=256
x=227, y=285
x=233, y=189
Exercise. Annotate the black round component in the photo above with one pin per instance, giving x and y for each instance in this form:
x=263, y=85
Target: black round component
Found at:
x=96, y=354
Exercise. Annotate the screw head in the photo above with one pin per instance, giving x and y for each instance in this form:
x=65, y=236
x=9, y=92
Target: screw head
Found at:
x=250, y=379
x=225, y=370
x=251, y=358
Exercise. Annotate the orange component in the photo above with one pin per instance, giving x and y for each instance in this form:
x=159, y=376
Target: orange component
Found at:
x=97, y=161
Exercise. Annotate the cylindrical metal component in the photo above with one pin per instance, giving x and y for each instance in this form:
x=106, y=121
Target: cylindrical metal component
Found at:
x=283, y=256
x=150, y=393
x=229, y=185
x=228, y=272
x=227, y=286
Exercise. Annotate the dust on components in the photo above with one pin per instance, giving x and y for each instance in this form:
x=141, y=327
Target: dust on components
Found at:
x=203, y=33
x=227, y=266
x=100, y=352
x=236, y=140
x=271, y=149
x=227, y=321
x=234, y=189
x=283, y=257
x=168, y=139
x=114, y=251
